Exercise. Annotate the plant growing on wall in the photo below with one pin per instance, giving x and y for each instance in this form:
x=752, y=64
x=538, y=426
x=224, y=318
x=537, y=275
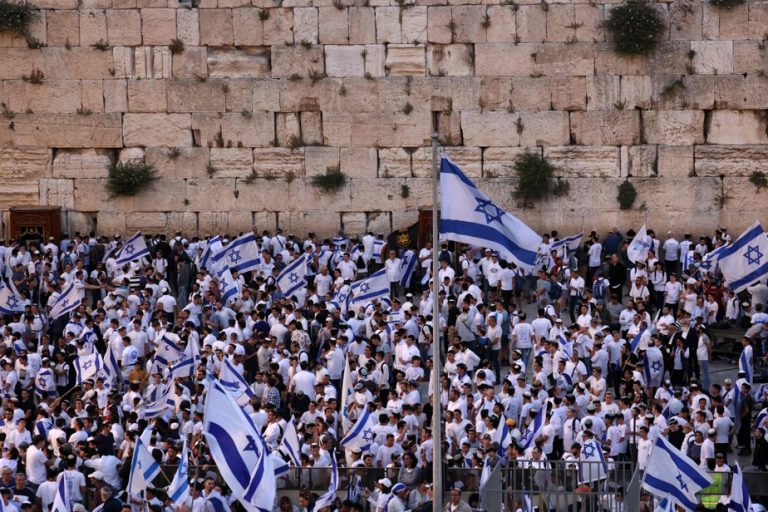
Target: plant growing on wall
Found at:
x=16, y=17
x=759, y=180
x=626, y=195
x=537, y=179
x=331, y=181
x=636, y=28
x=129, y=178
x=726, y=4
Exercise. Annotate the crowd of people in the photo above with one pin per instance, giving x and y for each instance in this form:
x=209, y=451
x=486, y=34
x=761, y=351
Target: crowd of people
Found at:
x=611, y=350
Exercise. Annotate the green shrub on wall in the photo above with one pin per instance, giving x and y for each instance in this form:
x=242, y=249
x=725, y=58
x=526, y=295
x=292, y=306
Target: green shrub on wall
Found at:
x=726, y=4
x=537, y=180
x=16, y=17
x=636, y=27
x=129, y=178
x=626, y=195
x=331, y=181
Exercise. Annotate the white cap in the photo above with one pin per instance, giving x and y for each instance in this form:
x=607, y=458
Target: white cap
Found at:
x=385, y=481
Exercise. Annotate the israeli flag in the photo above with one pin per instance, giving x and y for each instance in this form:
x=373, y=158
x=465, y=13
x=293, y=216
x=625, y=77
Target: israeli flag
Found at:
x=162, y=400
x=653, y=366
x=665, y=505
x=373, y=287
x=228, y=286
x=594, y=467
x=233, y=381
x=533, y=430
x=378, y=246
x=688, y=260
x=346, y=395
x=10, y=302
x=144, y=469
x=565, y=346
x=45, y=385
x=178, y=492
x=327, y=499
x=636, y=340
x=639, y=246
x=213, y=246
x=746, y=260
x=290, y=443
x=355, y=490
x=242, y=254
x=486, y=473
x=361, y=435
x=709, y=261
x=186, y=366
x=134, y=248
x=217, y=504
x=88, y=367
x=469, y=216
x=740, y=500
x=61, y=502
x=671, y=473
x=294, y=276
x=243, y=458
x=503, y=435
x=745, y=365
x=111, y=364
x=167, y=350
x=68, y=301
x=340, y=240
x=407, y=268
x=571, y=242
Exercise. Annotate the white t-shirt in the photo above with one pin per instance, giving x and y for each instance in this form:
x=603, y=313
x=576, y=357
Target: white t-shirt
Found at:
x=36, y=469
x=594, y=254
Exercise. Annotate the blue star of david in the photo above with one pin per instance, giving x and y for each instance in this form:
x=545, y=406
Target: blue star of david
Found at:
x=490, y=210
x=223, y=285
x=87, y=365
x=365, y=287
x=526, y=435
x=589, y=450
x=342, y=297
x=251, y=446
x=367, y=434
x=129, y=249
x=753, y=255
x=234, y=256
x=656, y=366
x=293, y=278
x=65, y=302
x=183, y=472
x=683, y=485
x=12, y=302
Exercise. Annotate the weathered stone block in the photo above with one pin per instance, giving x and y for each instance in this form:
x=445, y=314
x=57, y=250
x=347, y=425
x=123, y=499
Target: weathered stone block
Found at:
x=93, y=27
x=160, y=130
x=722, y=160
x=731, y=93
x=238, y=63
x=713, y=57
x=232, y=162
x=595, y=128
x=758, y=20
x=559, y=24
x=504, y=59
x=375, y=58
x=683, y=127
x=685, y=21
x=57, y=192
x=344, y=61
x=318, y=160
x=158, y=26
x=27, y=164
x=468, y=20
x=191, y=63
x=256, y=130
x=756, y=96
x=675, y=161
x=278, y=28
x=414, y=26
x=63, y=26
x=747, y=57
x=305, y=25
x=737, y=127
x=247, y=27
x=584, y=162
x=195, y=96
x=296, y=60
x=502, y=29
x=531, y=24
x=438, y=20
x=371, y=129
x=216, y=27
x=67, y=130
x=569, y=93
x=734, y=22
x=358, y=162
x=388, y=26
x=490, y=128
x=287, y=128
x=184, y=162
x=334, y=25
x=603, y=92
x=638, y=161
x=405, y=60
x=450, y=60
x=311, y=128
x=52, y=96
x=19, y=193
x=394, y=163
x=500, y=162
x=188, y=26
x=544, y=129
x=146, y=96
x=278, y=162
x=362, y=25
x=469, y=159
x=123, y=28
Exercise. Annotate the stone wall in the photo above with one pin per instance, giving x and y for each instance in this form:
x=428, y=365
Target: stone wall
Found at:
x=283, y=91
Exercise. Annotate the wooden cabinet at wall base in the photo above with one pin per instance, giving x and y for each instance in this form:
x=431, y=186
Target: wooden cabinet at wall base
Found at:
x=35, y=224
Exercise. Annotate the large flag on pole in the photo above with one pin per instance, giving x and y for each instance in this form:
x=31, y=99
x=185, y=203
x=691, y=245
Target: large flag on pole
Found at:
x=746, y=260
x=469, y=216
x=639, y=246
x=234, y=382
x=290, y=443
x=671, y=473
x=61, y=502
x=740, y=500
x=10, y=302
x=68, y=301
x=346, y=395
x=327, y=499
x=186, y=366
x=361, y=434
x=211, y=248
x=134, y=248
x=144, y=469
x=407, y=268
x=373, y=287
x=533, y=430
x=87, y=367
x=243, y=458
x=294, y=276
x=242, y=254
x=571, y=242
x=178, y=492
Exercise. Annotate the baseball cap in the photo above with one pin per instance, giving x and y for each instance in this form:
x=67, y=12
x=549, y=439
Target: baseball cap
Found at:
x=386, y=482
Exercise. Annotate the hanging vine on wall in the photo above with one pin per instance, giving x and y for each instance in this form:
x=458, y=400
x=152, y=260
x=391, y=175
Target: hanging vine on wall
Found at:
x=537, y=179
x=627, y=195
x=129, y=178
x=16, y=19
x=331, y=181
x=636, y=28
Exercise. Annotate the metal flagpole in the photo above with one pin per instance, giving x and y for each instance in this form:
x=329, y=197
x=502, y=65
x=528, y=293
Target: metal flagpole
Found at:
x=437, y=435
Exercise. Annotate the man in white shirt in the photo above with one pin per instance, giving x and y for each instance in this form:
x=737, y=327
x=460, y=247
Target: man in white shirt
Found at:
x=672, y=291
x=392, y=266
x=671, y=253
x=575, y=293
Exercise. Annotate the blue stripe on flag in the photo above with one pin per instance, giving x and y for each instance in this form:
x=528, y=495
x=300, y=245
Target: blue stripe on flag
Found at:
x=448, y=226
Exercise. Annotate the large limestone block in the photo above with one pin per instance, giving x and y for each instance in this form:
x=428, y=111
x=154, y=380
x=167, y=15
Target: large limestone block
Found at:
x=638, y=161
x=278, y=28
x=158, y=26
x=737, y=127
x=500, y=162
x=93, y=27
x=747, y=57
x=155, y=198
x=596, y=128
x=318, y=159
x=334, y=25
x=502, y=29
x=81, y=163
x=191, y=63
x=734, y=22
x=438, y=20
x=195, y=96
x=305, y=25
x=450, y=60
x=568, y=60
x=531, y=24
x=686, y=21
x=589, y=19
x=375, y=59
x=188, y=26
x=505, y=59
x=388, y=26
x=569, y=93
x=673, y=127
x=608, y=62
x=287, y=128
x=19, y=193
x=405, y=60
x=147, y=96
x=56, y=63
x=296, y=60
x=362, y=25
x=278, y=162
x=31, y=163
x=238, y=63
x=584, y=162
x=211, y=194
x=91, y=195
x=67, y=130
x=372, y=129
x=560, y=23
x=544, y=128
x=354, y=223
x=603, y=92
x=52, y=96
x=232, y=162
x=702, y=193
x=723, y=160
x=311, y=128
x=63, y=26
x=394, y=163
x=344, y=60
x=496, y=128
x=699, y=93
x=337, y=128
x=713, y=57
x=123, y=27
x=758, y=20
x=468, y=20
x=323, y=223
x=358, y=162
x=387, y=193
x=266, y=94
x=414, y=26
x=675, y=161
x=379, y=222
x=756, y=96
x=213, y=223
x=247, y=26
x=216, y=27
x=185, y=162
x=731, y=93
x=530, y=93
x=55, y=192
x=468, y=159
x=162, y=130
x=186, y=222
x=206, y=129
x=412, y=129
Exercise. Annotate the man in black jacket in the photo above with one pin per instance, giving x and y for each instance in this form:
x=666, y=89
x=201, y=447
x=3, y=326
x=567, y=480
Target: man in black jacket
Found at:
x=110, y=503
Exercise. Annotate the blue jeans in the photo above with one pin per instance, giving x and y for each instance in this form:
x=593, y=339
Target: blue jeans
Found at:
x=526, y=356
x=704, y=372
x=495, y=363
